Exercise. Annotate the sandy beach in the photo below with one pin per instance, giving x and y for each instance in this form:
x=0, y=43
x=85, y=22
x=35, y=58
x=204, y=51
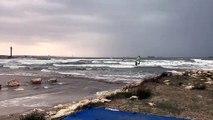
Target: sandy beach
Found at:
x=66, y=90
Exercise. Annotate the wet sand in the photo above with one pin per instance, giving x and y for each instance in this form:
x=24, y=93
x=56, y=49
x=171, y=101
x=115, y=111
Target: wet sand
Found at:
x=66, y=90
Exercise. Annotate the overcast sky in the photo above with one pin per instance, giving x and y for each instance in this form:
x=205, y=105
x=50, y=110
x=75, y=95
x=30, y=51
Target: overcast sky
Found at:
x=107, y=27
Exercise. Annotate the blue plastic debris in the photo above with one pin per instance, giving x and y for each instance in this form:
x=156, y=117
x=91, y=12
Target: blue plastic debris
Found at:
x=103, y=114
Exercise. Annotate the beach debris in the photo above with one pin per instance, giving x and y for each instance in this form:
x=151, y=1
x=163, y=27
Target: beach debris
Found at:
x=36, y=81
x=46, y=87
x=133, y=98
x=52, y=80
x=189, y=87
x=13, y=83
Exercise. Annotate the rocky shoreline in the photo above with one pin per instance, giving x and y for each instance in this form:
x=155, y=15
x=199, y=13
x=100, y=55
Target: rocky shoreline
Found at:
x=195, y=80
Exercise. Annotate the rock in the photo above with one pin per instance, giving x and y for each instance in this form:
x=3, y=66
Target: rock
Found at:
x=36, y=112
x=133, y=98
x=52, y=80
x=59, y=106
x=77, y=106
x=167, y=82
x=13, y=83
x=199, y=72
x=194, y=72
x=165, y=74
x=194, y=75
x=0, y=86
x=189, y=87
x=100, y=100
x=200, y=96
x=51, y=113
x=35, y=87
x=205, y=72
x=151, y=104
x=208, y=79
x=36, y=81
x=209, y=82
x=172, y=73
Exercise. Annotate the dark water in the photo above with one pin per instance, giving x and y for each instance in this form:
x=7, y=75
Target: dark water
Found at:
x=102, y=69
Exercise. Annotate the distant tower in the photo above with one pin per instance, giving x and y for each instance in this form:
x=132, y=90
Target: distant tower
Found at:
x=11, y=51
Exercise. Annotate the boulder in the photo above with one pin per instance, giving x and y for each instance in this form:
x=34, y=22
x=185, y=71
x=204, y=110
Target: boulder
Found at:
x=52, y=80
x=13, y=83
x=36, y=81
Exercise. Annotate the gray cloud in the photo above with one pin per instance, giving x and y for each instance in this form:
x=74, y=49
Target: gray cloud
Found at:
x=113, y=28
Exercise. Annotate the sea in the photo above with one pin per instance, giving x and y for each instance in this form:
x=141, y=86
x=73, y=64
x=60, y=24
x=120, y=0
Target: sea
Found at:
x=104, y=69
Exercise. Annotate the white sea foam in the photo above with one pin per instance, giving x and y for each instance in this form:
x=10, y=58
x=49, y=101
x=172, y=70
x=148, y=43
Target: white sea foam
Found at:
x=94, y=65
x=14, y=66
x=71, y=73
x=97, y=61
x=30, y=101
x=110, y=69
x=19, y=89
x=46, y=70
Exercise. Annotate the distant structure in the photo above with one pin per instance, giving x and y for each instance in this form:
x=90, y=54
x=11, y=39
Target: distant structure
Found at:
x=11, y=51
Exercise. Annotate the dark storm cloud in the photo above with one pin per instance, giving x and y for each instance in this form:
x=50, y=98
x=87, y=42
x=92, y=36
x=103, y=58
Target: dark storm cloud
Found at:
x=124, y=27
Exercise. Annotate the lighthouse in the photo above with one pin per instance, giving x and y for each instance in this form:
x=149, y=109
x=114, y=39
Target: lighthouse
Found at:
x=11, y=51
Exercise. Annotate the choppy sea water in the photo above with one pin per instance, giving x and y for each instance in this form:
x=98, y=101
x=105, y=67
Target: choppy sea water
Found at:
x=113, y=70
